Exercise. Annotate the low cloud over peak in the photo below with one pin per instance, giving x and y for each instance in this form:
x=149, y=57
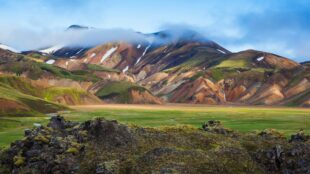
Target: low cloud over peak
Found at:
x=278, y=26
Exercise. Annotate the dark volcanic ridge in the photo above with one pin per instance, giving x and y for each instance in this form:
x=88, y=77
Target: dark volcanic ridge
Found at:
x=103, y=146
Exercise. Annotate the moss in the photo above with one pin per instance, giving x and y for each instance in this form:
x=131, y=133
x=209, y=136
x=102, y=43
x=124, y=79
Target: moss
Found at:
x=18, y=83
x=217, y=74
x=72, y=150
x=48, y=129
x=19, y=160
x=59, y=72
x=83, y=133
x=52, y=93
x=80, y=72
x=120, y=90
x=197, y=75
x=76, y=145
x=95, y=67
x=238, y=63
x=35, y=55
x=23, y=97
x=42, y=139
x=36, y=69
x=272, y=133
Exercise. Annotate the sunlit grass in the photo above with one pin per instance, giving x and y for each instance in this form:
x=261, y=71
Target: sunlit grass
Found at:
x=243, y=119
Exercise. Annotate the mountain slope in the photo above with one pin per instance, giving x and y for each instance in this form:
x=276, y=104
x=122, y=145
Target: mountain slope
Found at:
x=191, y=69
x=178, y=66
x=16, y=103
x=75, y=86
x=125, y=92
x=5, y=47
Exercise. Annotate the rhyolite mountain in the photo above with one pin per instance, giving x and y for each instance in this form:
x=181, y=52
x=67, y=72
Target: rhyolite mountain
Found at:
x=167, y=66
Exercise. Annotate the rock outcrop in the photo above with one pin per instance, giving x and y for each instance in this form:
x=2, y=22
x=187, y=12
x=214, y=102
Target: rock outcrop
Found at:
x=102, y=146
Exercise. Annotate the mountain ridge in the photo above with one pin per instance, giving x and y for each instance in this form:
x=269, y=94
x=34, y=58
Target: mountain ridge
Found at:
x=185, y=68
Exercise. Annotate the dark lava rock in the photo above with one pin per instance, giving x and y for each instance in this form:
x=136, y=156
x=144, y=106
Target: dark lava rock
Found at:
x=58, y=122
x=109, y=133
x=300, y=136
x=215, y=126
x=107, y=147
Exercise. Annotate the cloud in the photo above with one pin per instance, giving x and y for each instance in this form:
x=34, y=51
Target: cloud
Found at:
x=281, y=28
x=29, y=39
x=278, y=26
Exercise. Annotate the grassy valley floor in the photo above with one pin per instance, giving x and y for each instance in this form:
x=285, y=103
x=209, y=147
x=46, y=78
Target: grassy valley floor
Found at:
x=240, y=118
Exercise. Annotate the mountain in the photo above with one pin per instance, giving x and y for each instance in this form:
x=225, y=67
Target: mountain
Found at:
x=307, y=63
x=178, y=66
x=5, y=47
x=78, y=27
x=31, y=85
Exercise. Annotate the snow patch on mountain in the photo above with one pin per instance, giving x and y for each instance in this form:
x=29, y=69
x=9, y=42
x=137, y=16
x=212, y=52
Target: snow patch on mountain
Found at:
x=51, y=61
x=5, y=47
x=108, y=53
x=144, y=52
x=221, y=51
x=52, y=49
x=260, y=59
x=125, y=69
x=139, y=46
x=92, y=55
x=80, y=51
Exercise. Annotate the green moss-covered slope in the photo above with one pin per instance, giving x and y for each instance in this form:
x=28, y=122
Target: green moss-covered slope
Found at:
x=118, y=91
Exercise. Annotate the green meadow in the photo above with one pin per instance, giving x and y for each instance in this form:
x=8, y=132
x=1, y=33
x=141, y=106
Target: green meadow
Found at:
x=242, y=119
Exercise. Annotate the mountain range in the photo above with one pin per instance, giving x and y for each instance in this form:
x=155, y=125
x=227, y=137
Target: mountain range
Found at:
x=163, y=67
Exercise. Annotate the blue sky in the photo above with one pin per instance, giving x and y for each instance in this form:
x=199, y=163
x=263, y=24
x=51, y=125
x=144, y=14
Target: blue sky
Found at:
x=278, y=26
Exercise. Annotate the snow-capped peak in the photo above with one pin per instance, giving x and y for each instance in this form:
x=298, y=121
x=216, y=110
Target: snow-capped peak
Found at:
x=52, y=49
x=5, y=47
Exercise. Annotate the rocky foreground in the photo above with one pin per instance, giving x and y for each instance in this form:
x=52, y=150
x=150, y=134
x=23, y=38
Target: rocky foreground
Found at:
x=107, y=147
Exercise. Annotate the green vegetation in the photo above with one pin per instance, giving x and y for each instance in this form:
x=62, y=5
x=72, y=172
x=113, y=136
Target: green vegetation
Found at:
x=95, y=67
x=117, y=148
x=220, y=73
x=17, y=103
x=234, y=63
x=19, y=160
x=72, y=150
x=217, y=74
x=50, y=94
x=26, y=98
x=12, y=128
x=36, y=69
x=120, y=90
x=198, y=59
x=243, y=119
x=62, y=73
x=287, y=120
x=197, y=75
x=35, y=55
